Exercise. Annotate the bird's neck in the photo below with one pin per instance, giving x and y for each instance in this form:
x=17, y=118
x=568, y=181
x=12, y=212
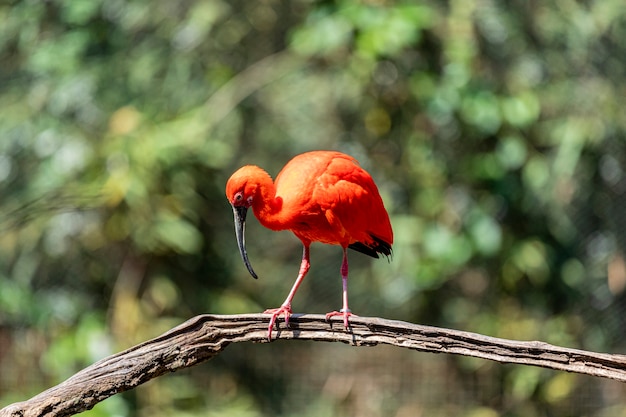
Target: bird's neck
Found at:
x=266, y=206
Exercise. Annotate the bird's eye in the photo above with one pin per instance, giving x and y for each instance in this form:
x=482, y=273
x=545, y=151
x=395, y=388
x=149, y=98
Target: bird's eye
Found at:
x=238, y=197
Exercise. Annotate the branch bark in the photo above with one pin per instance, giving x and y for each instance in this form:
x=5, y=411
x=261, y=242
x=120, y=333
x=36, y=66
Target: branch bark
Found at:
x=203, y=337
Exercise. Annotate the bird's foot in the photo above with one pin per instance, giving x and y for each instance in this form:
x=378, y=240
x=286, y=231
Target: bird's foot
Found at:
x=345, y=312
x=285, y=310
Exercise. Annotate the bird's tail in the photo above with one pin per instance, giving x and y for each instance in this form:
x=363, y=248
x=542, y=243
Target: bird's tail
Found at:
x=377, y=246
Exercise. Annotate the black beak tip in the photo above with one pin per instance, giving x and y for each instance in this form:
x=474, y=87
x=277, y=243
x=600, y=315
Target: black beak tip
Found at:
x=240, y=231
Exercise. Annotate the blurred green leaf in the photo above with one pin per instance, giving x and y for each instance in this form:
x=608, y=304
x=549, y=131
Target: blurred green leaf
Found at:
x=482, y=111
x=80, y=12
x=178, y=234
x=322, y=36
x=522, y=110
x=512, y=152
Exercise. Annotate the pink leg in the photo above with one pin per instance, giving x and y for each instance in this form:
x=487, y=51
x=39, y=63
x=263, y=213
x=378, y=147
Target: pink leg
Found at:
x=285, y=308
x=345, y=311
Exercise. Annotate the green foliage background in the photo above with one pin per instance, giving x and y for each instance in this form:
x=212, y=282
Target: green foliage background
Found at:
x=495, y=131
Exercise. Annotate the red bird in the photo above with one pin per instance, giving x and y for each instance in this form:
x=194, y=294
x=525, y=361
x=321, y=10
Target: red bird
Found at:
x=321, y=196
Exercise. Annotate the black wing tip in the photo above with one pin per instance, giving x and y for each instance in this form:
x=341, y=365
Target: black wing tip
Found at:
x=378, y=247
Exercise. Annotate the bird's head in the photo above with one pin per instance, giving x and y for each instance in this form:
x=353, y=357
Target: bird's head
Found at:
x=241, y=189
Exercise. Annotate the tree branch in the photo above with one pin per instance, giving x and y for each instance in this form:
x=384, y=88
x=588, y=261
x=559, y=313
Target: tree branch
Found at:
x=203, y=337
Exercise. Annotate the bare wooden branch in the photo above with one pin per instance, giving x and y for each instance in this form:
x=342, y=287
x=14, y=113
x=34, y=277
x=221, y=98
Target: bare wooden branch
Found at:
x=203, y=337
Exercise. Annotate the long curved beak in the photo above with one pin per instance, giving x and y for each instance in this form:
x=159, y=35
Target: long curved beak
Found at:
x=240, y=231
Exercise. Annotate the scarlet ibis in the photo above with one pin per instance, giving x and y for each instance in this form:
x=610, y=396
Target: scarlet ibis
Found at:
x=321, y=196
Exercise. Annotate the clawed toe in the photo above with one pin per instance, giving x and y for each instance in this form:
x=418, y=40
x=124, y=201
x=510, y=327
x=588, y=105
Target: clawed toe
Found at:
x=343, y=312
x=276, y=312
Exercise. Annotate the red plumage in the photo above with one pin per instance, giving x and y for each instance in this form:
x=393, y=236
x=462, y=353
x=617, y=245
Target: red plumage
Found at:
x=321, y=196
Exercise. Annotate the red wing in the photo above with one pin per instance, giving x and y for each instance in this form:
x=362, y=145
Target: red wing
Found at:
x=328, y=197
x=350, y=196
